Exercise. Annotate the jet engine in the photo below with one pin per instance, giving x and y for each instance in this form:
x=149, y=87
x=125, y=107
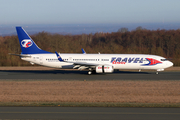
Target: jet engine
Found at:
x=104, y=69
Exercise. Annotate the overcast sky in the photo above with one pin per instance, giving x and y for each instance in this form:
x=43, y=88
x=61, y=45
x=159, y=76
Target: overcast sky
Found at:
x=88, y=11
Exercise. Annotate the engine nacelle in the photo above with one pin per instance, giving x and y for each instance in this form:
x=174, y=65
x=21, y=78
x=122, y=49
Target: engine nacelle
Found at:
x=104, y=69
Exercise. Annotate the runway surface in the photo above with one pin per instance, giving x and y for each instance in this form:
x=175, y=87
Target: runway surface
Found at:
x=82, y=75
x=81, y=113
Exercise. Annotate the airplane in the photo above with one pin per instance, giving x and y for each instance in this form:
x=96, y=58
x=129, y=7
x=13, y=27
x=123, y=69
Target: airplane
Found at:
x=99, y=63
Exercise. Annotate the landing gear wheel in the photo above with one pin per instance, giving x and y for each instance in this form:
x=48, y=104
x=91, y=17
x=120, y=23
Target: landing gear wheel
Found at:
x=90, y=72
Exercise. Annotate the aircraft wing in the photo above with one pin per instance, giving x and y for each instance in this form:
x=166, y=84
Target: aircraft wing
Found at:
x=83, y=63
x=77, y=63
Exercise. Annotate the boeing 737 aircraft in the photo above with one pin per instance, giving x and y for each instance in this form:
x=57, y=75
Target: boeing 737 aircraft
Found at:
x=100, y=63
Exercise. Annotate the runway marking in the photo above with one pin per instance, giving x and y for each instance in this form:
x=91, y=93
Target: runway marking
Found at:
x=89, y=113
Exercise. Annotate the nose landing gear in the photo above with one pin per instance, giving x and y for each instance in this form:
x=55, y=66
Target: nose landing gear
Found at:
x=158, y=71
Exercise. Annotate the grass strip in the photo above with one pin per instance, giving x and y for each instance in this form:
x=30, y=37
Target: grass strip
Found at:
x=86, y=104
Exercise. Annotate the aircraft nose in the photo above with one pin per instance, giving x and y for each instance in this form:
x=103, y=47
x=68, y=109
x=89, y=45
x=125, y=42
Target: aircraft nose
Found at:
x=169, y=64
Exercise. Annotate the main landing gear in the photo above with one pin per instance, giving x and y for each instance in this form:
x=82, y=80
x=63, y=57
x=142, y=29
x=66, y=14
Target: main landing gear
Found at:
x=90, y=72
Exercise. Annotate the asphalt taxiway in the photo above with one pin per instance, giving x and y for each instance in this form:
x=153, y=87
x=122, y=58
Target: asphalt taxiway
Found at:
x=89, y=113
x=82, y=75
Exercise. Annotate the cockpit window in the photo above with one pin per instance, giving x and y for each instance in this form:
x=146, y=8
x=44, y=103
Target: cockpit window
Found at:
x=163, y=59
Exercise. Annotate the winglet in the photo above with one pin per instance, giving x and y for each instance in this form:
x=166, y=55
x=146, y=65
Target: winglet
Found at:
x=59, y=57
x=83, y=51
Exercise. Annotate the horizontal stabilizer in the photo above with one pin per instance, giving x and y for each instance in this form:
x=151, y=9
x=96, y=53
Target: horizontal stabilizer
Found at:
x=20, y=55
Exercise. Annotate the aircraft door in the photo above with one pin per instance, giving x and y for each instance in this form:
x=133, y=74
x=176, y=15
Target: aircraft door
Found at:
x=41, y=60
x=70, y=59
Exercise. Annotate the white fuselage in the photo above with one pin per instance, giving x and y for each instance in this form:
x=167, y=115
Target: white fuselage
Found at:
x=118, y=61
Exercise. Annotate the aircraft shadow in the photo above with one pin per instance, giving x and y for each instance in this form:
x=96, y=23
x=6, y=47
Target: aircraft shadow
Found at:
x=69, y=72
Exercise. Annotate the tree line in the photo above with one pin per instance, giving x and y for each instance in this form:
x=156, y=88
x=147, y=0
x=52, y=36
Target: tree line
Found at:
x=164, y=43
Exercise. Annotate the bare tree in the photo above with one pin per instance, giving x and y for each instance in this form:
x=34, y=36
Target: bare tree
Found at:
x=123, y=30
